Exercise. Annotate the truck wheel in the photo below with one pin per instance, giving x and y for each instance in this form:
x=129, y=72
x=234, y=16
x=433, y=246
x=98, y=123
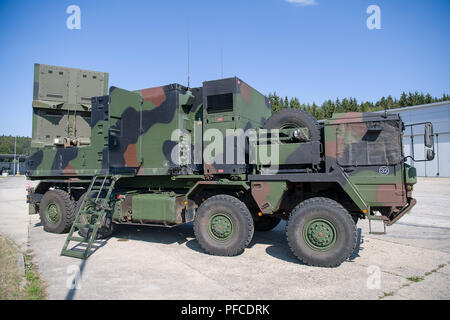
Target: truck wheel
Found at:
x=266, y=223
x=321, y=232
x=57, y=211
x=223, y=226
x=105, y=231
x=291, y=118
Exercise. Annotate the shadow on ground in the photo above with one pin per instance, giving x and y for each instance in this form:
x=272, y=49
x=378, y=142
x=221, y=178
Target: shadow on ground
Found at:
x=275, y=240
x=184, y=234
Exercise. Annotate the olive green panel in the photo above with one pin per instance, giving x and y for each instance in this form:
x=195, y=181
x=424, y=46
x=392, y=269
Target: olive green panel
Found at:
x=380, y=189
x=82, y=125
x=252, y=109
x=62, y=102
x=68, y=85
x=284, y=152
x=154, y=207
x=89, y=84
x=351, y=190
x=53, y=83
x=47, y=126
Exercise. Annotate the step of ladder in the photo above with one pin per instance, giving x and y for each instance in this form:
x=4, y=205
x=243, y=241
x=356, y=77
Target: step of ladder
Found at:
x=73, y=254
x=79, y=239
x=381, y=219
x=99, y=206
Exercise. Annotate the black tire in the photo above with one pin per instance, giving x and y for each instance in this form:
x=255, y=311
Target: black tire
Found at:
x=355, y=219
x=57, y=201
x=105, y=231
x=234, y=212
x=266, y=223
x=313, y=212
x=296, y=117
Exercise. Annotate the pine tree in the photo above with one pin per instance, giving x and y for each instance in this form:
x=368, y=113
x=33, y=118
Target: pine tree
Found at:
x=329, y=107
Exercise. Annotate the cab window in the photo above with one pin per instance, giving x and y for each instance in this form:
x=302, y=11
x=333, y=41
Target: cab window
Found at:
x=369, y=143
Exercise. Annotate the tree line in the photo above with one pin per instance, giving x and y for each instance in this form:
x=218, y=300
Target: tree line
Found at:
x=7, y=145
x=328, y=107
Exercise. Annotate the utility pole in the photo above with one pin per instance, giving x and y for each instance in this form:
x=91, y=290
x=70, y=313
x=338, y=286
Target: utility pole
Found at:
x=14, y=163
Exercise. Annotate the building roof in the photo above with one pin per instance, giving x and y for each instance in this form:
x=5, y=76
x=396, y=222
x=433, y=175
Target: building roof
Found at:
x=429, y=105
x=437, y=113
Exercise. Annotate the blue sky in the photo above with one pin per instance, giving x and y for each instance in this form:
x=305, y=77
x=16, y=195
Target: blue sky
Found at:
x=311, y=49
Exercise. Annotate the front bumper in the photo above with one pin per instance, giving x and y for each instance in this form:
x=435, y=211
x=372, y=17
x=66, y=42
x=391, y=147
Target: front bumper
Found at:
x=402, y=212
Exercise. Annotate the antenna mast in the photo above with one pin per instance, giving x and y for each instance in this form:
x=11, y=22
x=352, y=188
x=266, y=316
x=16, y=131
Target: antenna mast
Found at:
x=188, y=53
x=221, y=63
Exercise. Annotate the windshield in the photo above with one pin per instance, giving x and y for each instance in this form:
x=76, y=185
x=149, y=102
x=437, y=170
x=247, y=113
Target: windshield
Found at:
x=369, y=143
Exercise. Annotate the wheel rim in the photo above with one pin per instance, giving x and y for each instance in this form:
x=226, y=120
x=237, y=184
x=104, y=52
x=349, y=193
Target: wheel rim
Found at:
x=289, y=126
x=52, y=213
x=220, y=227
x=320, y=234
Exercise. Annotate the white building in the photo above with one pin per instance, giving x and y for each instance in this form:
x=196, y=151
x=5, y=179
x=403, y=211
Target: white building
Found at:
x=439, y=115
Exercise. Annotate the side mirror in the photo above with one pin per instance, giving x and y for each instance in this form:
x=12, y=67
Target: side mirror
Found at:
x=428, y=140
x=429, y=135
x=430, y=154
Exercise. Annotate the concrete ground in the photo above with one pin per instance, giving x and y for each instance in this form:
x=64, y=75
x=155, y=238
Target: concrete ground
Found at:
x=411, y=262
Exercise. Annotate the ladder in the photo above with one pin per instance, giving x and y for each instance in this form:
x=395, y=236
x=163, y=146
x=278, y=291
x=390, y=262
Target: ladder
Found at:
x=91, y=215
x=378, y=218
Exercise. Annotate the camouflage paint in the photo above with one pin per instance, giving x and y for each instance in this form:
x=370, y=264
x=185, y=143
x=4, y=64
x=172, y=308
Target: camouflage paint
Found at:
x=377, y=184
x=131, y=134
x=268, y=194
x=250, y=109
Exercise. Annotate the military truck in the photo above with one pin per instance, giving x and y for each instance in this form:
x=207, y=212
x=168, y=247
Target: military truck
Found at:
x=212, y=155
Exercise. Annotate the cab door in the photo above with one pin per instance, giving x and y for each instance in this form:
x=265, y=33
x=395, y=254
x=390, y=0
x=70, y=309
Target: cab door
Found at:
x=370, y=153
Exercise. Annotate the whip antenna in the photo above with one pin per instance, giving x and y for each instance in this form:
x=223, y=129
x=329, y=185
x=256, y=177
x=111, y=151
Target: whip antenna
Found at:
x=221, y=63
x=188, y=53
